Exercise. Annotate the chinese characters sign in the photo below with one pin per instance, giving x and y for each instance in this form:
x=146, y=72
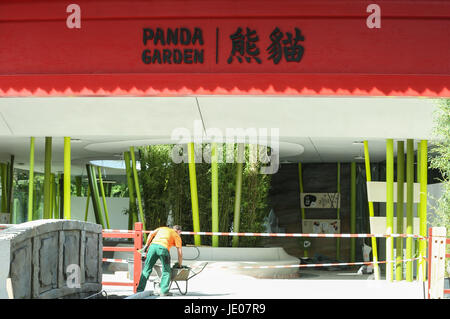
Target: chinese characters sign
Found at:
x=244, y=45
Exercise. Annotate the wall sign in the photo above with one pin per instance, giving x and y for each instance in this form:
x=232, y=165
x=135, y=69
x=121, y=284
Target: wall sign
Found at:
x=321, y=226
x=320, y=200
x=182, y=45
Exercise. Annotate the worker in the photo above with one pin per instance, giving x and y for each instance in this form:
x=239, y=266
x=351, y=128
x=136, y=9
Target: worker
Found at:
x=158, y=245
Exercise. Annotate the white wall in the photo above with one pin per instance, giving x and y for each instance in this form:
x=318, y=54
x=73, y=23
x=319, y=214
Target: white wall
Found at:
x=115, y=205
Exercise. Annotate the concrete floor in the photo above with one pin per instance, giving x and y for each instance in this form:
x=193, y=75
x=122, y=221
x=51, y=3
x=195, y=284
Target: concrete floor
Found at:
x=311, y=284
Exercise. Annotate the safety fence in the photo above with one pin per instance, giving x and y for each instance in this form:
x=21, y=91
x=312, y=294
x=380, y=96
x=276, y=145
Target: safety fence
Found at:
x=136, y=235
x=437, y=248
x=138, y=232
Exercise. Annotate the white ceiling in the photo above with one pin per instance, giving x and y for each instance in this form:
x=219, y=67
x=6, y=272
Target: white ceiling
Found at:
x=324, y=128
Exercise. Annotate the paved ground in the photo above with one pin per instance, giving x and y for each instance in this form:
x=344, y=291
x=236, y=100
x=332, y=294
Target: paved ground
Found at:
x=311, y=284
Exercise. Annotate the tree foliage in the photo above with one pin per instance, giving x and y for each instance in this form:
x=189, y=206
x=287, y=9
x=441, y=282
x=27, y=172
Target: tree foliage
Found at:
x=166, y=191
x=441, y=161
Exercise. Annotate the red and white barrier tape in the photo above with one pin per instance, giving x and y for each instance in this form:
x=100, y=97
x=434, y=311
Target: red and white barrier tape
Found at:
x=114, y=260
x=285, y=266
x=117, y=231
x=311, y=235
x=301, y=235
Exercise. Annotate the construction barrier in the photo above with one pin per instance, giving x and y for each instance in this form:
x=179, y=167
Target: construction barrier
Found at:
x=136, y=235
x=437, y=245
x=303, y=235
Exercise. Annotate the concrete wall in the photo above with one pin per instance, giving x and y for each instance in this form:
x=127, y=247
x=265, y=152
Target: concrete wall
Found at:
x=51, y=259
x=116, y=207
x=285, y=200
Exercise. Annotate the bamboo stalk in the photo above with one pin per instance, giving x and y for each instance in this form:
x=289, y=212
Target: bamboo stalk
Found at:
x=10, y=179
x=92, y=178
x=67, y=176
x=409, y=207
x=58, y=196
x=423, y=208
x=31, y=181
x=302, y=209
x=400, y=208
x=300, y=179
x=194, y=195
x=137, y=188
x=102, y=190
x=51, y=195
x=376, y=268
x=238, y=193
x=54, y=197
x=389, y=206
x=132, y=217
x=352, y=210
x=4, y=168
x=214, y=194
x=47, y=176
x=86, y=212
x=10, y=190
x=338, y=211
x=61, y=195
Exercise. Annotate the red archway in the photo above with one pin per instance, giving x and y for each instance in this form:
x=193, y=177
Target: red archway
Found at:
x=303, y=48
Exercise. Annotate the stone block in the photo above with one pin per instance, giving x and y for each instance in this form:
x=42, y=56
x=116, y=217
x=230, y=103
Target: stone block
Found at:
x=35, y=255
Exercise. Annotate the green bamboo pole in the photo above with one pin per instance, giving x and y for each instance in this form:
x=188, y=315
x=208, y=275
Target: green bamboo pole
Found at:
x=389, y=206
x=214, y=194
x=61, y=195
x=86, y=212
x=418, y=207
x=302, y=209
x=132, y=217
x=238, y=193
x=95, y=195
x=376, y=268
x=47, y=176
x=194, y=196
x=423, y=208
x=67, y=178
x=4, y=168
x=54, y=197
x=338, y=212
x=58, y=196
x=353, y=210
x=400, y=208
x=31, y=181
x=10, y=189
x=10, y=179
x=102, y=190
x=300, y=179
x=409, y=207
x=136, y=185
x=51, y=195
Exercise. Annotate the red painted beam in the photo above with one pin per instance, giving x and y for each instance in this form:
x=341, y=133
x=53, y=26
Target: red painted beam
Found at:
x=117, y=235
x=33, y=10
x=224, y=84
x=407, y=56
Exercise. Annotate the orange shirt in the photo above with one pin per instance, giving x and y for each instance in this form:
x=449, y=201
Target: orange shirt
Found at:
x=166, y=237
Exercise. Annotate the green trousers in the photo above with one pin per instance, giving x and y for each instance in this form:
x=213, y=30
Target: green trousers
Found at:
x=154, y=253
